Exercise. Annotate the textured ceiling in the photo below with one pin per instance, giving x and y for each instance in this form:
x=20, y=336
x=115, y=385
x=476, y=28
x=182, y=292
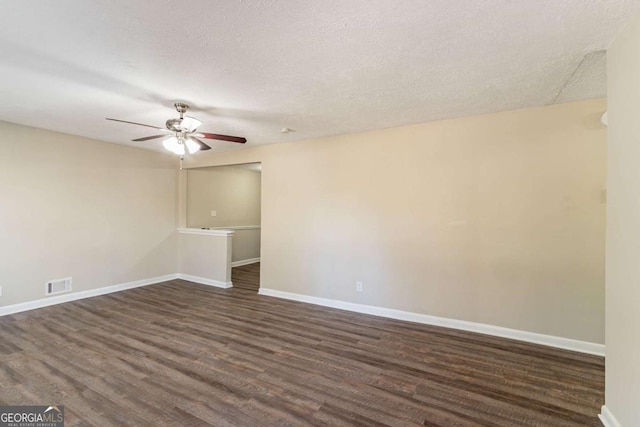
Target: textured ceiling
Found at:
x=250, y=68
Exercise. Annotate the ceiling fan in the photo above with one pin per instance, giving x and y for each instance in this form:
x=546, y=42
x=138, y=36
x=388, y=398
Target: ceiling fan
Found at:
x=181, y=135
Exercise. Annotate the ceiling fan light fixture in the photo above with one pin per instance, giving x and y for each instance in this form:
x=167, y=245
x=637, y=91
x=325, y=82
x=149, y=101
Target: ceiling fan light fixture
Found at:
x=170, y=143
x=180, y=150
x=174, y=145
x=189, y=124
x=192, y=146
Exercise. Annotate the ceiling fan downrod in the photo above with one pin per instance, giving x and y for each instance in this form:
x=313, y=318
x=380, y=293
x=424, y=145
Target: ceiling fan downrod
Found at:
x=181, y=108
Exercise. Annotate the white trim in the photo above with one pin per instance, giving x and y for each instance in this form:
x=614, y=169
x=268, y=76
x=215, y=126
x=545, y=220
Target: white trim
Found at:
x=245, y=262
x=607, y=419
x=74, y=296
x=209, y=232
x=205, y=281
x=548, y=340
x=237, y=227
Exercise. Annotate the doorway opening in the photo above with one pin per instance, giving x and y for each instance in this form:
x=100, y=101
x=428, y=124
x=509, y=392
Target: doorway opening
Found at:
x=229, y=198
x=246, y=277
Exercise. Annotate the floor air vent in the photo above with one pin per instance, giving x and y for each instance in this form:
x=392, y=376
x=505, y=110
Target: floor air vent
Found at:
x=58, y=286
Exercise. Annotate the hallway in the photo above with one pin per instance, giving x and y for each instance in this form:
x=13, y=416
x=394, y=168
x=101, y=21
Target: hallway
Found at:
x=246, y=277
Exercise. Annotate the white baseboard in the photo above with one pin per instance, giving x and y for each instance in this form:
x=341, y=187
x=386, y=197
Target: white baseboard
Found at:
x=548, y=340
x=245, y=262
x=205, y=281
x=74, y=296
x=607, y=418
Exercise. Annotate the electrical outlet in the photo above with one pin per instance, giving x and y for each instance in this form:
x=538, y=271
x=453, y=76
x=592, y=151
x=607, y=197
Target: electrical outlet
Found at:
x=0, y=291
x=214, y=213
x=359, y=287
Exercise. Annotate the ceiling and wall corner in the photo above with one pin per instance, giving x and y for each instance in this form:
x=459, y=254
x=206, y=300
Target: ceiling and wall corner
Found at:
x=321, y=68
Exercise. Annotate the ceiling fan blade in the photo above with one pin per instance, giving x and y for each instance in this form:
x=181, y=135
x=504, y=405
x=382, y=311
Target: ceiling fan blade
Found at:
x=221, y=137
x=146, y=138
x=139, y=124
x=202, y=145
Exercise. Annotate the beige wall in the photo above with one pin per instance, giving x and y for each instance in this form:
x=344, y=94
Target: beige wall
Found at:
x=496, y=219
x=69, y=206
x=233, y=192
x=623, y=228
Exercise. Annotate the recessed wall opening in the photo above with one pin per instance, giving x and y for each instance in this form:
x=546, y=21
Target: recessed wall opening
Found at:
x=229, y=198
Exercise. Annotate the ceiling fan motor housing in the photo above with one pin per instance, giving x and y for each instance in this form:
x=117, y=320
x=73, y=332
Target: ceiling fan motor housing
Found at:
x=174, y=124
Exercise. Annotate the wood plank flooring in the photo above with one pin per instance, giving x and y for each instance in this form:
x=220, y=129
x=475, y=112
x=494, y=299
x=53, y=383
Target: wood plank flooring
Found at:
x=182, y=354
x=246, y=277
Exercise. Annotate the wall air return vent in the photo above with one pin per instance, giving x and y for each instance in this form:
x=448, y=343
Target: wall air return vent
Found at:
x=57, y=286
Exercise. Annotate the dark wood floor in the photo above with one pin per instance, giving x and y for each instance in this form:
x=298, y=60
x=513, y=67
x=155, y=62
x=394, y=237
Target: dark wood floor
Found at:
x=246, y=277
x=183, y=354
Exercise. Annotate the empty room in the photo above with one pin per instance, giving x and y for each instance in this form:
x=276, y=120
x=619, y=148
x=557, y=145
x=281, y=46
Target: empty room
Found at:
x=320, y=213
